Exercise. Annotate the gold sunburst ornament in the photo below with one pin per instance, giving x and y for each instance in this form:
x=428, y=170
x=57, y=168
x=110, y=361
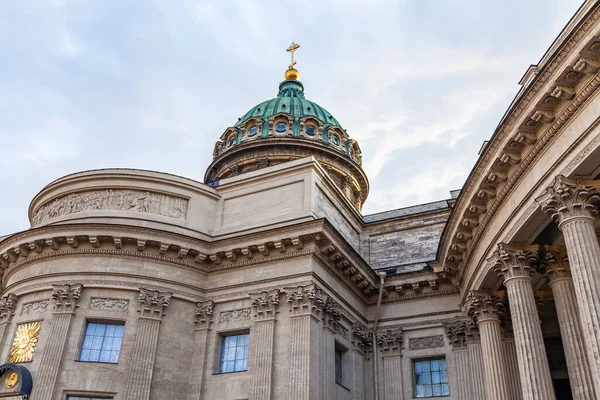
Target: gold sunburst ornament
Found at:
x=25, y=341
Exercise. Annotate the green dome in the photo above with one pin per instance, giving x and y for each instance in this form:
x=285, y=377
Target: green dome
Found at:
x=290, y=100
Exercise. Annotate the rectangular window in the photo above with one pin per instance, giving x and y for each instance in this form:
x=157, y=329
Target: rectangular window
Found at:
x=102, y=343
x=88, y=398
x=431, y=378
x=234, y=353
x=338, y=366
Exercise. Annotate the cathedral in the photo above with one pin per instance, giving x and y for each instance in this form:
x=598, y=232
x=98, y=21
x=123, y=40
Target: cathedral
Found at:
x=266, y=282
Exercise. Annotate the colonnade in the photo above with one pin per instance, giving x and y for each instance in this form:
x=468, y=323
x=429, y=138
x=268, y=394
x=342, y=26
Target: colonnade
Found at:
x=573, y=273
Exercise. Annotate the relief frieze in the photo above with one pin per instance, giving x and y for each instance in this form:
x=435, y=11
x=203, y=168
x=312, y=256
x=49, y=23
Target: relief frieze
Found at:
x=117, y=199
x=103, y=304
x=234, y=315
x=35, y=307
x=427, y=342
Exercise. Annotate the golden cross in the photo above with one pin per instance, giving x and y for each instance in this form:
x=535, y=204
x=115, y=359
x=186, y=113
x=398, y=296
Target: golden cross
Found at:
x=292, y=49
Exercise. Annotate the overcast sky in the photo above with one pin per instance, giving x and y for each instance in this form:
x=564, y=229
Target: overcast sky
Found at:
x=152, y=84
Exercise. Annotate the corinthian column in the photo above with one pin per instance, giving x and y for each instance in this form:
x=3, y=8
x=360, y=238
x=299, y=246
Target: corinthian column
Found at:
x=514, y=264
x=306, y=308
x=361, y=341
x=568, y=318
x=65, y=299
x=571, y=204
x=7, y=310
x=486, y=310
x=390, y=345
x=264, y=307
x=204, y=312
x=152, y=307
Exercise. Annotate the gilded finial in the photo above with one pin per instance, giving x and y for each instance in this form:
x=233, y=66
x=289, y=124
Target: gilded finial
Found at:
x=292, y=73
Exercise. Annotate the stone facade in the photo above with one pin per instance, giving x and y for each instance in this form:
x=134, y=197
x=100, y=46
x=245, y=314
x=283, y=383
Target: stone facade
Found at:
x=489, y=295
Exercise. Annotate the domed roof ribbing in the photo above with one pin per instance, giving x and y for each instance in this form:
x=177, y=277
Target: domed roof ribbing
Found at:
x=290, y=100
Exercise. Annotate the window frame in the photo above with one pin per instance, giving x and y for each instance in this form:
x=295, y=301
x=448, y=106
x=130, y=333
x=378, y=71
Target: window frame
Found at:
x=414, y=362
x=115, y=322
x=280, y=123
x=218, y=365
x=250, y=130
x=73, y=396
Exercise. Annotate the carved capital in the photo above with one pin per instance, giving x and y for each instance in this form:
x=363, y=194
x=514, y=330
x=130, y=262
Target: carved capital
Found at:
x=570, y=198
x=331, y=314
x=204, y=313
x=390, y=340
x=557, y=264
x=153, y=302
x=485, y=307
x=7, y=307
x=361, y=337
x=265, y=304
x=459, y=331
x=513, y=261
x=66, y=297
x=306, y=300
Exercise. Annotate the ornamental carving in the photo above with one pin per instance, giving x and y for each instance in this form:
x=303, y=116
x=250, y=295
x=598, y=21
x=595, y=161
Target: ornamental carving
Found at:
x=103, y=304
x=66, y=297
x=26, y=339
x=426, y=342
x=113, y=199
x=264, y=304
x=204, y=313
x=7, y=307
x=556, y=263
x=309, y=300
x=460, y=331
x=485, y=307
x=153, y=302
x=35, y=307
x=331, y=315
x=515, y=261
x=390, y=340
x=361, y=337
x=234, y=315
x=570, y=198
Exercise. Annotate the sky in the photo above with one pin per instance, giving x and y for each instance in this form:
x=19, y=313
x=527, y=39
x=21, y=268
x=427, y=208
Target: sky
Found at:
x=420, y=84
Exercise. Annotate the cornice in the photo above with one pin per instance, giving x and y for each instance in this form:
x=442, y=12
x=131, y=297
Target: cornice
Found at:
x=518, y=142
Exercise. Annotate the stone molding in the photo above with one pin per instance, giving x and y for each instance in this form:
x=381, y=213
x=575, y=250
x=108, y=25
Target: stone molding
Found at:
x=108, y=304
x=426, y=342
x=129, y=200
x=460, y=331
x=526, y=130
x=485, y=307
x=66, y=297
x=265, y=304
x=515, y=261
x=7, y=307
x=390, y=340
x=306, y=300
x=568, y=198
x=204, y=314
x=153, y=303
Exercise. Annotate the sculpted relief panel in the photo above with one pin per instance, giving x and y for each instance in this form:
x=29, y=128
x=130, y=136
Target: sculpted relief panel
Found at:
x=117, y=199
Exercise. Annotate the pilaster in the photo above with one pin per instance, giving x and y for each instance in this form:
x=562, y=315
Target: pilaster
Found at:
x=306, y=308
x=152, y=307
x=264, y=307
x=64, y=299
x=515, y=264
x=459, y=332
x=204, y=314
x=361, y=340
x=7, y=310
x=572, y=204
x=559, y=275
x=389, y=342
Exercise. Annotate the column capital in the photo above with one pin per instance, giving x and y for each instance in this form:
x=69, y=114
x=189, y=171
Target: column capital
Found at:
x=66, y=297
x=7, y=307
x=570, y=198
x=515, y=261
x=204, y=313
x=361, y=337
x=556, y=264
x=331, y=314
x=459, y=330
x=153, y=303
x=265, y=304
x=485, y=307
x=306, y=300
x=390, y=340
